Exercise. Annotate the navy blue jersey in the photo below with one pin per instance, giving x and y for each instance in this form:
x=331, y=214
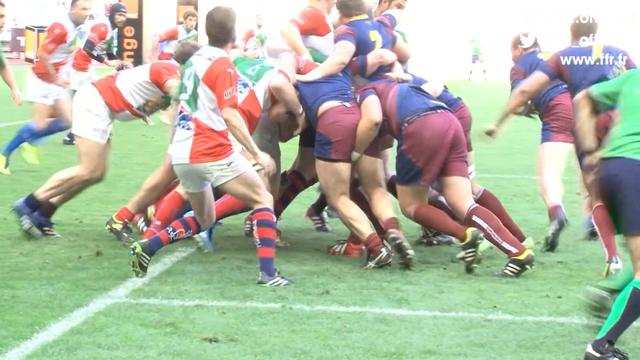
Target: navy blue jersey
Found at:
x=366, y=35
x=527, y=65
x=582, y=66
x=447, y=97
x=315, y=93
x=400, y=102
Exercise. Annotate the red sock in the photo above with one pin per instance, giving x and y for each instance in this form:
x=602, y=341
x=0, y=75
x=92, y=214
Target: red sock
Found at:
x=391, y=224
x=294, y=183
x=606, y=231
x=555, y=211
x=357, y=197
x=491, y=203
x=352, y=239
x=228, y=205
x=124, y=215
x=373, y=243
x=493, y=230
x=431, y=217
x=172, y=205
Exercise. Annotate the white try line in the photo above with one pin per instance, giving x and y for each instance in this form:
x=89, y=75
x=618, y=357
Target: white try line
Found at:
x=3, y=125
x=117, y=295
x=363, y=310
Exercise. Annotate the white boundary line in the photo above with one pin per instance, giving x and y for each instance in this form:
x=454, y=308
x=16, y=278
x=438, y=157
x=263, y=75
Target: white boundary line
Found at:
x=3, y=125
x=116, y=295
x=363, y=310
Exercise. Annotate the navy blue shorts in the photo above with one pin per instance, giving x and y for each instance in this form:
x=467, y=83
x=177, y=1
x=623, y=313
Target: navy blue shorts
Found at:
x=619, y=180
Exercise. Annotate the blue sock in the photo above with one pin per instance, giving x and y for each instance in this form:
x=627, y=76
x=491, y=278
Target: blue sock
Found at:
x=55, y=126
x=23, y=135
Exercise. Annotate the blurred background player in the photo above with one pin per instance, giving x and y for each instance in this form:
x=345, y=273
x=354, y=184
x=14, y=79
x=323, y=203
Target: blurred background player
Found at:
x=477, y=60
x=47, y=85
x=555, y=109
x=618, y=174
x=254, y=41
x=100, y=45
x=7, y=75
x=165, y=45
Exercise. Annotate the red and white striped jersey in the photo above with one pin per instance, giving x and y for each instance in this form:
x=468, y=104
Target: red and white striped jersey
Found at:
x=126, y=91
x=101, y=34
x=174, y=36
x=209, y=84
x=316, y=30
x=62, y=39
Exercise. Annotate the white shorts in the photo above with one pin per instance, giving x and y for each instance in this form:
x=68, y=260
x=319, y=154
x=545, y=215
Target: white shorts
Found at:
x=199, y=177
x=77, y=79
x=42, y=92
x=92, y=119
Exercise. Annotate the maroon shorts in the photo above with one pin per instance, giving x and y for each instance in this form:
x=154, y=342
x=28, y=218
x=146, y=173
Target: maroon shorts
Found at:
x=463, y=115
x=431, y=146
x=336, y=132
x=557, y=120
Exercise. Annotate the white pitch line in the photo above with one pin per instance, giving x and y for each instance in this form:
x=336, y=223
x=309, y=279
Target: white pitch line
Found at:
x=363, y=310
x=3, y=125
x=116, y=295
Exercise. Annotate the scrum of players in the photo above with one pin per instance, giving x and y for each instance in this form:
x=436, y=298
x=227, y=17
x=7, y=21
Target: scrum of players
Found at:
x=346, y=92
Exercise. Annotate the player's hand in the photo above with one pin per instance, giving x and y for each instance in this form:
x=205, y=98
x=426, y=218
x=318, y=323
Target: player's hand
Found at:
x=399, y=76
x=492, y=131
x=267, y=163
x=16, y=96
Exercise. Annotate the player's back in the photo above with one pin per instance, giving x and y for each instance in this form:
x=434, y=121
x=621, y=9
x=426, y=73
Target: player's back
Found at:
x=526, y=65
x=582, y=66
x=365, y=35
x=315, y=93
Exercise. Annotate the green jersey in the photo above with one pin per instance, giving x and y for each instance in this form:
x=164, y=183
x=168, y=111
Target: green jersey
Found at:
x=252, y=69
x=622, y=93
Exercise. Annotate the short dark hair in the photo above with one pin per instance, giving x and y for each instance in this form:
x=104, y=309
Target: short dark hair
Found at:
x=583, y=26
x=189, y=13
x=184, y=51
x=221, y=26
x=519, y=41
x=73, y=2
x=350, y=8
x=2, y=4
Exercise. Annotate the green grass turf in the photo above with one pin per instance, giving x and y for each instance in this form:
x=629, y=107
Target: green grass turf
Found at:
x=42, y=281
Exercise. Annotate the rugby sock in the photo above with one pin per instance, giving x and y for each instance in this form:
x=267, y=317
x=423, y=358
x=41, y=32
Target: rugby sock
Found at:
x=555, y=212
x=493, y=230
x=178, y=230
x=124, y=215
x=391, y=224
x=47, y=209
x=431, y=217
x=54, y=126
x=228, y=206
x=625, y=310
x=606, y=231
x=373, y=243
x=172, y=205
x=491, y=203
x=441, y=204
x=265, y=235
x=32, y=202
x=392, y=187
x=359, y=199
x=295, y=183
x=320, y=204
x=620, y=280
x=23, y=135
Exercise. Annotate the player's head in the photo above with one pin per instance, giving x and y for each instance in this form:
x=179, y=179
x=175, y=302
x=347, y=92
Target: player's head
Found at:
x=79, y=11
x=184, y=51
x=2, y=15
x=221, y=26
x=190, y=18
x=583, y=29
x=351, y=8
x=523, y=43
x=384, y=5
x=118, y=15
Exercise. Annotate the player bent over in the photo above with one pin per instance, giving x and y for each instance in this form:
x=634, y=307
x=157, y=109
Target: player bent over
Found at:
x=203, y=156
x=618, y=174
x=431, y=146
x=130, y=94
